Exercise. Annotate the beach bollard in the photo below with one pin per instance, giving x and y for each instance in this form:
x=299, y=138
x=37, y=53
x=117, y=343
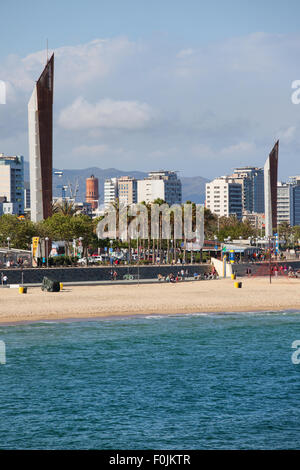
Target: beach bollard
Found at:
x=233, y=276
x=238, y=285
x=61, y=286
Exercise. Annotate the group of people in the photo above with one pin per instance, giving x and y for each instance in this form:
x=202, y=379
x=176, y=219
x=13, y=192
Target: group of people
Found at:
x=280, y=269
x=207, y=275
x=183, y=274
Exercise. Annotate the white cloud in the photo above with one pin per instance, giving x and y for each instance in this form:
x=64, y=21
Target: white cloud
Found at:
x=90, y=150
x=107, y=114
x=185, y=53
x=216, y=103
x=287, y=135
x=97, y=150
x=239, y=149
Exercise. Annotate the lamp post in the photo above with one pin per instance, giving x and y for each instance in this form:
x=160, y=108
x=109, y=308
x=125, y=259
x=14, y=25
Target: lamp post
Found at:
x=8, y=240
x=110, y=252
x=240, y=238
x=47, y=261
x=216, y=246
x=81, y=247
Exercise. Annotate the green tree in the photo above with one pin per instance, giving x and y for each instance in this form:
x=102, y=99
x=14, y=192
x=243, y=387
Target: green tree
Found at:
x=19, y=231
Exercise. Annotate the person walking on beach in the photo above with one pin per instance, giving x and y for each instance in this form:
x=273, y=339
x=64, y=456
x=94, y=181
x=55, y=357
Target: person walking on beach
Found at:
x=5, y=279
x=115, y=275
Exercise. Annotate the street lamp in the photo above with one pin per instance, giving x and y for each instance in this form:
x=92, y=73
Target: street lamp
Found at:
x=46, y=240
x=8, y=240
x=80, y=247
x=110, y=251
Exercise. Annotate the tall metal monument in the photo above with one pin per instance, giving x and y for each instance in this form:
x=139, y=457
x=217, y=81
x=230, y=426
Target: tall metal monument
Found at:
x=270, y=180
x=40, y=127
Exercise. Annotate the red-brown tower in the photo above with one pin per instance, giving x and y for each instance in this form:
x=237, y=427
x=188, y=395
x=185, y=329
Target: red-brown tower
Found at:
x=92, y=191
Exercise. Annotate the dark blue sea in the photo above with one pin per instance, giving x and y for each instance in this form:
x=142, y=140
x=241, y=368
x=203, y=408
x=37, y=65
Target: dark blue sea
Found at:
x=173, y=382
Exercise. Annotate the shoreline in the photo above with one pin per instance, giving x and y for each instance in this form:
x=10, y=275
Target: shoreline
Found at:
x=120, y=301
x=143, y=315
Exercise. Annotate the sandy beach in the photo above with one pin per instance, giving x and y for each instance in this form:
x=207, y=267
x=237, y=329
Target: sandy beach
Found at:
x=257, y=294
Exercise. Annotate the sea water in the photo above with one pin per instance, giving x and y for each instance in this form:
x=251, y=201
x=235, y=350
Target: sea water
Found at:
x=223, y=381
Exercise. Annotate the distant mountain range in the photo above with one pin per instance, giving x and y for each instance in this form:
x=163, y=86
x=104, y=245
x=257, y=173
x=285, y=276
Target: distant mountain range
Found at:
x=193, y=188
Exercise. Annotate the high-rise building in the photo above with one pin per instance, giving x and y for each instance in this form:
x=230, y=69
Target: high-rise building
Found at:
x=284, y=203
x=110, y=191
x=160, y=185
x=224, y=197
x=12, y=182
x=40, y=126
x=270, y=179
x=295, y=181
x=26, y=195
x=92, y=191
x=288, y=201
x=127, y=190
x=252, y=181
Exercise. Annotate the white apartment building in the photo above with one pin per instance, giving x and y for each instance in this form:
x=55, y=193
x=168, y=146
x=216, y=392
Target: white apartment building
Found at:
x=288, y=201
x=110, y=191
x=160, y=185
x=284, y=202
x=224, y=197
x=12, y=182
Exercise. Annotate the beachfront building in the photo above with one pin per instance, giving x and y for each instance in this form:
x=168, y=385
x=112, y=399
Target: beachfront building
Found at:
x=295, y=181
x=12, y=182
x=288, y=202
x=224, y=197
x=252, y=180
x=40, y=129
x=284, y=202
x=110, y=191
x=127, y=190
x=270, y=184
x=160, y=185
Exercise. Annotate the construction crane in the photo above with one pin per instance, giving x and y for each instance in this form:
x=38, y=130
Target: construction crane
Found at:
x=73, y=190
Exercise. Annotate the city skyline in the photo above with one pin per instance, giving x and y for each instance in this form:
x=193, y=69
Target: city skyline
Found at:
x=193, y=102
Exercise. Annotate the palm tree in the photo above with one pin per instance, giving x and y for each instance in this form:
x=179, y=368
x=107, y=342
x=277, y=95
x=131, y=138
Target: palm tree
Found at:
x=64, y=207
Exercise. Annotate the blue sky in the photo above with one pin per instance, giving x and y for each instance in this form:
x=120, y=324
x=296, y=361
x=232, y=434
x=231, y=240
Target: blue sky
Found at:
x=196, y=86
